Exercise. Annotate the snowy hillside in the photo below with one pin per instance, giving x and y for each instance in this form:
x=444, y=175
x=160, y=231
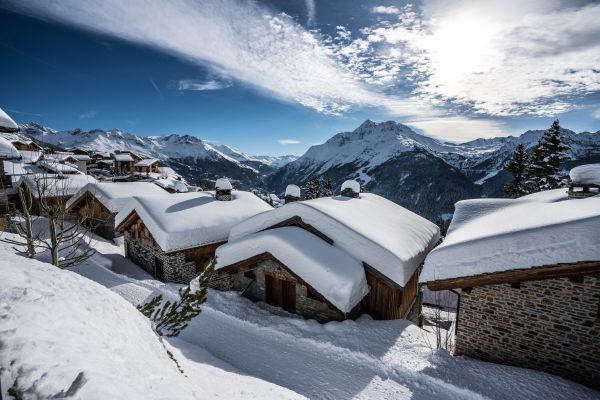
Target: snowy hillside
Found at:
x=64, y=336
x=426, y=175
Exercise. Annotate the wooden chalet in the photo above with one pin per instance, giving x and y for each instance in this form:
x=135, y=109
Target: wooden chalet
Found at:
x=387, y=242
x=527, y=273
x=26, y=145
x=172, y=236
x=123, y=162
x=8, y=152
x=147, y=165
x=100, y=202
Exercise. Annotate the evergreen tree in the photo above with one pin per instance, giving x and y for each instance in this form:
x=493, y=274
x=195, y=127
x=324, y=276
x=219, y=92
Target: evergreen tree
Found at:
x=327, y=188
x=312, y=189
x=173, y=317
x=517, y=166
x=546, y=160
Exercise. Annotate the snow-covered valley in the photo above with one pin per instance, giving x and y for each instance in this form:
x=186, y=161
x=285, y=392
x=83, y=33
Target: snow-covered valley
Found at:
x=64, y=333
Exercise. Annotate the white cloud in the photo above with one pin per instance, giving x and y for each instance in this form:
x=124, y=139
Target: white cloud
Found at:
x=459, y=129
x=243, y=40
x=88, y=115
x=596, y=113
x=495, y=58
x=311, y=10
x=191, y=84
x=385, y=10
x=288, y=141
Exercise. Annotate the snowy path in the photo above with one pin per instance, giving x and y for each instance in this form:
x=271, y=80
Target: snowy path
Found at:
x=338, y=360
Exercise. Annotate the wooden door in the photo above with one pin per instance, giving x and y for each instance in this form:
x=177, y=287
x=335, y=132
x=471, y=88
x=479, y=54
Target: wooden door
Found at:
x=280, y=293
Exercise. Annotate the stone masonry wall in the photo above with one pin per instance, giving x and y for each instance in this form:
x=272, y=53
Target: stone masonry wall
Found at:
x=175, y=267
x=551, y=325
x=305, y=306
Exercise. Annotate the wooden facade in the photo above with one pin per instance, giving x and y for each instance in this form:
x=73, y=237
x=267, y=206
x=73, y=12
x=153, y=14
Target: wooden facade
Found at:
x=152, y=167
x=99, y=219
x=26, y=146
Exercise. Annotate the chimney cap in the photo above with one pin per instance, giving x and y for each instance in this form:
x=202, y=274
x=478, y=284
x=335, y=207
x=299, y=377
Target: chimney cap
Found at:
x=293, y=191
x=350, y=187
x=223, y=184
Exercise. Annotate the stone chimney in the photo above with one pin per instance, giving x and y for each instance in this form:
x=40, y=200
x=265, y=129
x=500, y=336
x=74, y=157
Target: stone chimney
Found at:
x=292, y=193
x=585, y=181
x=351, y=188
x=223, y=189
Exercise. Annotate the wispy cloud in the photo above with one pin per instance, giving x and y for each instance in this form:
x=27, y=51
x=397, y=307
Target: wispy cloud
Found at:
x=459, y=129
x=311, y=11
x=88, y=115
x=24, y=112
x=288, y=141
x=191, y=84
x=269, y=52
x=156, y=88
x=596, y=113
x=385, y=10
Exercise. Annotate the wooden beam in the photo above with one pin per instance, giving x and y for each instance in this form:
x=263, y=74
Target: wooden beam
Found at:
x=297, y=221
x=520, y=275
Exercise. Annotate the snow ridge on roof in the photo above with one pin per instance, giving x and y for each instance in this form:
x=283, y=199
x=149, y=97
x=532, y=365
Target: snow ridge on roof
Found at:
x=522, y=234
x=7, y=124
x=115, y=195
x=186, y=220
x=381, y=233
x=122, y=157
x=55, y=185
x=586, y=174
x=7, y=150
x=333, y=273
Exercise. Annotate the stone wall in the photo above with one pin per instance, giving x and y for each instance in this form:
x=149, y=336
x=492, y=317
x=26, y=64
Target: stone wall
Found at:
x=254, y=289
x=175, y=267
x=551, y=325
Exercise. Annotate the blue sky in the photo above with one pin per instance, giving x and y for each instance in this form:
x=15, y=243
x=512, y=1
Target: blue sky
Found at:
x=275, y=77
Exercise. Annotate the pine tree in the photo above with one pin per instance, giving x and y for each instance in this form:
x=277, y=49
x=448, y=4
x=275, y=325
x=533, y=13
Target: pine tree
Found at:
x=517, y=166
x=172, y=318
x=327, y=188
x=546, y=160
x=312, y=189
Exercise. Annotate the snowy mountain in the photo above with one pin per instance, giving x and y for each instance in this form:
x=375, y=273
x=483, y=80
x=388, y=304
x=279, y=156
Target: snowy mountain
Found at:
x=194, y=158
x=421, y=173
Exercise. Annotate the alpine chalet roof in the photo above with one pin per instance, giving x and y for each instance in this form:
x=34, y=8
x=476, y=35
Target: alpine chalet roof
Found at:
x=186, y=220
x=7, y=150
x=388, y=237
x=122, y=157
x=115, y=195
x=333, y=273
x=146, y=162
x=6, y=123
x=55, y=185
x=496, y=235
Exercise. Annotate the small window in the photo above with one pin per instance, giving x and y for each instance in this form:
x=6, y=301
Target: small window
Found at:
x=250, y=274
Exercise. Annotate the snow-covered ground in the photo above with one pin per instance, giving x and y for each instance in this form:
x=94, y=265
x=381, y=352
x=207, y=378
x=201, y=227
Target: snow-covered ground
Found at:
x=231, y=343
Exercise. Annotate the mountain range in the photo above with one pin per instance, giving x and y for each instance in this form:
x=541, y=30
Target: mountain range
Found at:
x=418, y=172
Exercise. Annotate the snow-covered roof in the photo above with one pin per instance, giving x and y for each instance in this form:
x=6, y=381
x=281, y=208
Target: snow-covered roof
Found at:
x=352, y=185
x=223, y=184
x=333, y=273
x=186, y=220
x=29, y=156
x=292, y=190
x=7, y=150
x=79, y=157
x=381, y=233
x=105, y=161
x=115, y=195
x=173, y=184
x=55, y=185
x=16, y=167
x=6, y=123
x=588, y=174
x=516, y=235
x=146, y=162
x=58, y=168
x=122, y=157
x=548, y=196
